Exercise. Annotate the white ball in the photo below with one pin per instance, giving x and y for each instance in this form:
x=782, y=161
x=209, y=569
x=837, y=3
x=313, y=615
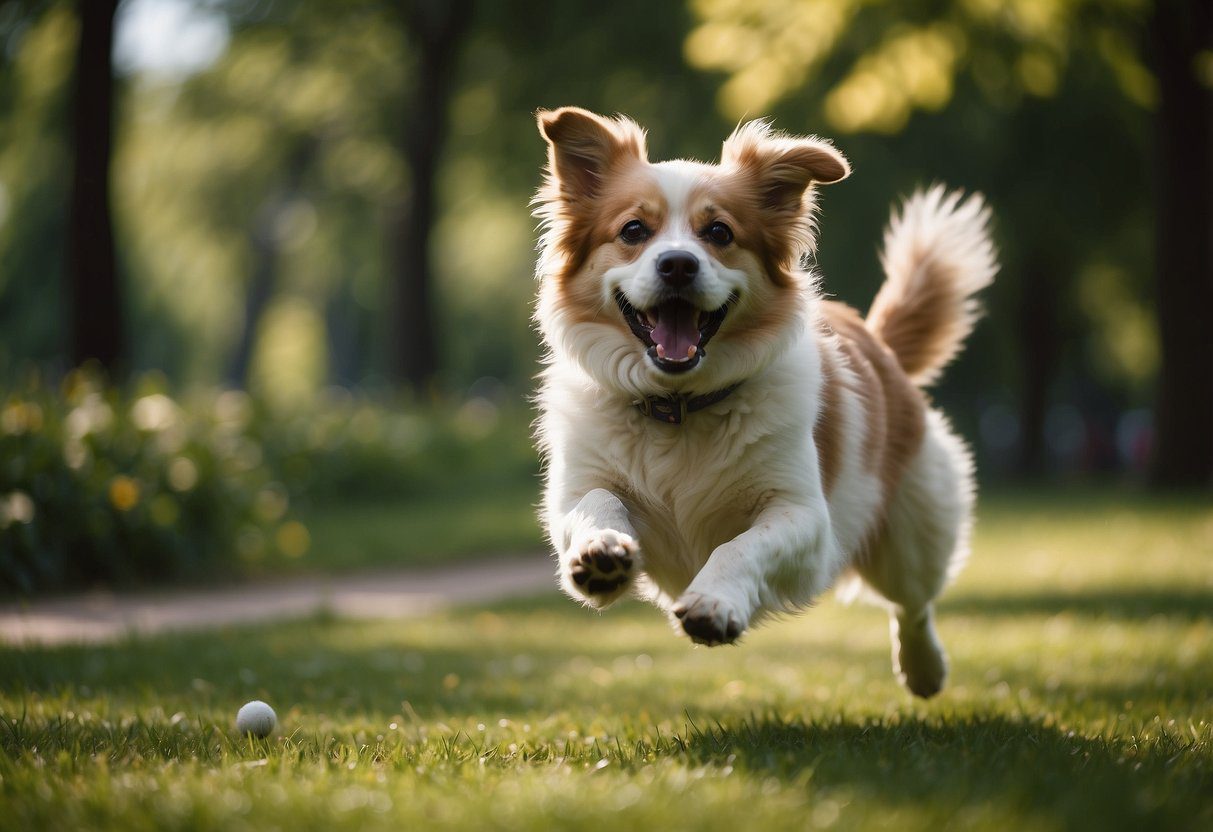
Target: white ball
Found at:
x=256, y=718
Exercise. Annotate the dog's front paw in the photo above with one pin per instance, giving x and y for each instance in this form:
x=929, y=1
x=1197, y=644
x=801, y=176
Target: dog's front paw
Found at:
x=600, y=568
x=708, y=620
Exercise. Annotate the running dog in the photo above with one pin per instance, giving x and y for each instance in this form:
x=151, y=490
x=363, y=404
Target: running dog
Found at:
x=721, y=439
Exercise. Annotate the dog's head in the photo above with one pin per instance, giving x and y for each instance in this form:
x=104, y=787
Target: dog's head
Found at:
x=676, y=275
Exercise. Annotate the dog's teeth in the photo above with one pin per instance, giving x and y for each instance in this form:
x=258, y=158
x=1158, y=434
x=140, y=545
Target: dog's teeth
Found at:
x=691, y=350
x=660, y=351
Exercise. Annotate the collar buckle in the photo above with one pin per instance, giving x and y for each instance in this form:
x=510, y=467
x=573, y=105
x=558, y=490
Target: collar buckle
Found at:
x=669, y=409
x=673, y=409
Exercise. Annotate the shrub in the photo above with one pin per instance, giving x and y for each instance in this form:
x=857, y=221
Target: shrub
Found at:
x=347, y=447
x=102, y=486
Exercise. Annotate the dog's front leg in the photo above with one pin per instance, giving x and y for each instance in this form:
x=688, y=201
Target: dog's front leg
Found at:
x=599, y=555
x=787, y=556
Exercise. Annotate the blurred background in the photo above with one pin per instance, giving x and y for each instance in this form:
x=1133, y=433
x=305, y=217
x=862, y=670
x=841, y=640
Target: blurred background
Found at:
x=266, y=265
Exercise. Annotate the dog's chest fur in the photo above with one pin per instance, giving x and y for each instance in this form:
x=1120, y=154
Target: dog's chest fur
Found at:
x=690, y=488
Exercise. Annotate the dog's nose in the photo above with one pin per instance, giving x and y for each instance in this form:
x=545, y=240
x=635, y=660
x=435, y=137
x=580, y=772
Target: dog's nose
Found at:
x=677, y=268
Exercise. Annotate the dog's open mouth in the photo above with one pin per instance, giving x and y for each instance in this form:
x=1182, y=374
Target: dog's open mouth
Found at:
x=675, y=331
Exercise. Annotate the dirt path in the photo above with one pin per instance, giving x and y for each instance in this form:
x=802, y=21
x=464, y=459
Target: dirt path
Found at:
x=100, y=617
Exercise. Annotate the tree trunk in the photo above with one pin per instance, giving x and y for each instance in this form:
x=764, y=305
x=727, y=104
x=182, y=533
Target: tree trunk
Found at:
x=1183, y=413
x=436, y=27
x=264, y=243
x=94, y=294
x=1040, y=348
x=266, y=246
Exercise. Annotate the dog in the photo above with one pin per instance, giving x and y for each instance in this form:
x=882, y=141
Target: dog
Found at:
x=718, y=437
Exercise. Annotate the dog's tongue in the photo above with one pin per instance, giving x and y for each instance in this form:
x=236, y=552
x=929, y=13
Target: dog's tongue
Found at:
x=675, y=328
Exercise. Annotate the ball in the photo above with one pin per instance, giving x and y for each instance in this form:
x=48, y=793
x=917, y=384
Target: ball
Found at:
x=256, y=718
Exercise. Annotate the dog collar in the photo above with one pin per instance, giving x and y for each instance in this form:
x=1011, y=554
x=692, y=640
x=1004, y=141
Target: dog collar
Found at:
x=673, y=408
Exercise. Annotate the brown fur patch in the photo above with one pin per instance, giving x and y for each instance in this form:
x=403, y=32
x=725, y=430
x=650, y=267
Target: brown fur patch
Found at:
x=923, y=322
x=827, y=431
x=937, y=255
x=592, y=246
x=632, y=194
x=765, y=312
x=591, y=159
x=732, y=198
x=894, y=409
x=774, y=174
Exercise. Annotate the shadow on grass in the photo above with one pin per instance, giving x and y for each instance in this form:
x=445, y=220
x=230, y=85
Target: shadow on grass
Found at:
x=953, y=763
x=517, y=656
x=1129, y=604
x=515, y=660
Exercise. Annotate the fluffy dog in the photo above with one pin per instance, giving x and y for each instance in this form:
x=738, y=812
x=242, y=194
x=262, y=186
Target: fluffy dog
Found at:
x=718, y=437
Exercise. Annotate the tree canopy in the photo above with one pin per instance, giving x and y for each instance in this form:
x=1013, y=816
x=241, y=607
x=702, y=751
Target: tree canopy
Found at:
x=259, y=200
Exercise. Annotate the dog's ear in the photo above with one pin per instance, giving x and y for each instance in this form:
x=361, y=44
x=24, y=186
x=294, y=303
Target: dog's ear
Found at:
x=782, y=167
x=780, y=171
x=584, y=147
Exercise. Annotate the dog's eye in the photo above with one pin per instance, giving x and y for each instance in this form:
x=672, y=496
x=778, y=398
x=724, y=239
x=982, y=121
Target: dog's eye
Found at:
x=634, y=232
x=718, y=234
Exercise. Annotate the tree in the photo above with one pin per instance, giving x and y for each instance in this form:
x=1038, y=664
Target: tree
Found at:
x=1043, y=105
x=259, y=185
x=265, y=246
x=1179, y=33
x=93, y=284
x=435, y=28
x=35, y=176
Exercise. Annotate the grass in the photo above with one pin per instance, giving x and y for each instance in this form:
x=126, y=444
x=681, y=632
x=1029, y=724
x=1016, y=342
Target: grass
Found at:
x=1081, y=639
x=423, y=532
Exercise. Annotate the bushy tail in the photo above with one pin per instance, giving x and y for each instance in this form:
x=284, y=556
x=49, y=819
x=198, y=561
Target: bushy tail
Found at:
x=937, y=255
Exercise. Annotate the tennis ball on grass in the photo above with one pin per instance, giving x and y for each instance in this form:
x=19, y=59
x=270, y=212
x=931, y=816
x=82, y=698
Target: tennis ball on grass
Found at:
x=256, y=718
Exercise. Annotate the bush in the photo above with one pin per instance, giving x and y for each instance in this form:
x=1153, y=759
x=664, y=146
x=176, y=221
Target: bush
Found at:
x=345, y=447
x=101, y=486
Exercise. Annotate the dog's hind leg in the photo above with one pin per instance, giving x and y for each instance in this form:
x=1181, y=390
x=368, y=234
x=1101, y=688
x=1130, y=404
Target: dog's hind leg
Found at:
x=923, y=545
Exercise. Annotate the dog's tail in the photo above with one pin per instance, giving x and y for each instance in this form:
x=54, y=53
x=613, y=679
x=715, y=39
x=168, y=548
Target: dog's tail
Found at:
x=937, y=255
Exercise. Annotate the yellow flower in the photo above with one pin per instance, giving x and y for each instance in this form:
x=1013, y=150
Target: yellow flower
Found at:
x=293, y=539
x=124, y=493
x=21, y=417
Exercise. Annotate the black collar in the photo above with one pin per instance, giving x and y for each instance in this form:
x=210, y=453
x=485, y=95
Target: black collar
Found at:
x=672, y=408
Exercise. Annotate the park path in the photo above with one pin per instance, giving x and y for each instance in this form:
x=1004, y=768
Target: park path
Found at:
x=100, y=617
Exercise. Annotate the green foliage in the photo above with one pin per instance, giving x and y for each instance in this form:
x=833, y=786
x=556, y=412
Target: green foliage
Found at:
x=259, y=200
x=102, y=486
x=479, y=521
x=1079, y=699
x=285, y=156
x=34, y=175
x=1043, y=105
x=345, y=447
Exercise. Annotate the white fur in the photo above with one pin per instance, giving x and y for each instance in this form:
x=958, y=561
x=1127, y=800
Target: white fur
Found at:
x=727, y=510
x=943, y=230
x=639, y=280
x=924, y=546
x=611, y=358
x=937, y=251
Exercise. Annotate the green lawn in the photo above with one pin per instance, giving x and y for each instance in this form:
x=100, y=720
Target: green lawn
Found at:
x=423, y=532
x=1082, y=645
